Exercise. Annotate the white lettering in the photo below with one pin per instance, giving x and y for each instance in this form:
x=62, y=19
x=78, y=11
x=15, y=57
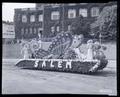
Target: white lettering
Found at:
x=68, y=63
x=59, y=64
x=36, y=63
x=51, y=64
x=43, y=64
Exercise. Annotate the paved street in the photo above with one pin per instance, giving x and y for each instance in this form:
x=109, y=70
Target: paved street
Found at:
x=23, y=81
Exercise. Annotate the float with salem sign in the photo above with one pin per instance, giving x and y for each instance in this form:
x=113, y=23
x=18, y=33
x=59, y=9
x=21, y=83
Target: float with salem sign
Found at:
x=64, y=54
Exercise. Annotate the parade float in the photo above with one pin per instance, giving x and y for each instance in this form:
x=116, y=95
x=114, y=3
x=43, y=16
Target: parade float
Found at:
x=60, y=56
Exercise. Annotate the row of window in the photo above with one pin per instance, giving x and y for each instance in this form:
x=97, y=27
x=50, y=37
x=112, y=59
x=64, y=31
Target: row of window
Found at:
x=32, y=18
x=55, y=15
x=30, y=30
x=35, y=30
x=53, y=29
x=72, y=13
x=58, y=28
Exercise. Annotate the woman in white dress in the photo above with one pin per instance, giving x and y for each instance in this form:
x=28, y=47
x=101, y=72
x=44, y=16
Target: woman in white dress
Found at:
x=90, y=50
x=25, y=52
x=39, y=40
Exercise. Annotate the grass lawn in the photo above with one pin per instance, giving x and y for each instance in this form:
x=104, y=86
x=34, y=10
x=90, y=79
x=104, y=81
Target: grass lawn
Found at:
x=13, y=51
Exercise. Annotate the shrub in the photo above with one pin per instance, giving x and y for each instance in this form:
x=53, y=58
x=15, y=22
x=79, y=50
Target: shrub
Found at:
x=80, y=26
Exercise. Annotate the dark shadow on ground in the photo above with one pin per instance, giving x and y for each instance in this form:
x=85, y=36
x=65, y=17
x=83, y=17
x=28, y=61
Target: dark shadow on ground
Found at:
x=104, y=73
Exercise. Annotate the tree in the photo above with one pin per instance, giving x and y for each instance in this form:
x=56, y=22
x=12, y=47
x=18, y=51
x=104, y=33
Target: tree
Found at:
x=80, y=26
x=106, y=22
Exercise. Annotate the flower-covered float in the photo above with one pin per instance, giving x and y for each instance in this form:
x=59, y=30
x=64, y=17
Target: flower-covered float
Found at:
x=64, y=55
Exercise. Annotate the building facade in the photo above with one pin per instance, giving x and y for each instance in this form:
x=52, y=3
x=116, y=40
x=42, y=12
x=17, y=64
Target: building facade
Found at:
x=28, y=22
x=51, y=19
x=8, y=31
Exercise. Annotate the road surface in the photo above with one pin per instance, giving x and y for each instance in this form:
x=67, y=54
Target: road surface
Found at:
x=23, y=81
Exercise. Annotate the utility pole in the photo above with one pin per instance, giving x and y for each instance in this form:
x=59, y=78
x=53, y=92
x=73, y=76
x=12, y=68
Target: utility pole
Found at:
x=100, y=36
x=43, y=19
x=63, y=17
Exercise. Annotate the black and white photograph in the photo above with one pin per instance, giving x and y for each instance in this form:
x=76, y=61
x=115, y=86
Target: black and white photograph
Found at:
x=59, y=48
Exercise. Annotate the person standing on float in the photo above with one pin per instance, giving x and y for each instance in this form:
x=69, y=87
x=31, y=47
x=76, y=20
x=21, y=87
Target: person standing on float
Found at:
x=25, y=52
x=39, y=39
x=90, y=50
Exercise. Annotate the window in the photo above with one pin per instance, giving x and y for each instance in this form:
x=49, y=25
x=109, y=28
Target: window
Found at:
x=32, y=18
x=18, y=17
x=22, y=31
x=34, y=30
x=24, y=18
x=40, y=18
x=40, y=30
x=94, y=11
x=55, y=15
x=57, y=28
x=52, y=29
x=83, y=12
x=26, y=31
x=71, y=13
x=69, y=27
x=30, y=30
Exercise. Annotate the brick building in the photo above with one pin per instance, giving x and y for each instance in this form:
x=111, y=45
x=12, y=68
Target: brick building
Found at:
x=50, y=19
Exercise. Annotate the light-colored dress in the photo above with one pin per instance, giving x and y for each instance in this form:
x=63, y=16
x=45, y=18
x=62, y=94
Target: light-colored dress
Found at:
x=25, y=53
x=40, y=42
x=90, y=51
